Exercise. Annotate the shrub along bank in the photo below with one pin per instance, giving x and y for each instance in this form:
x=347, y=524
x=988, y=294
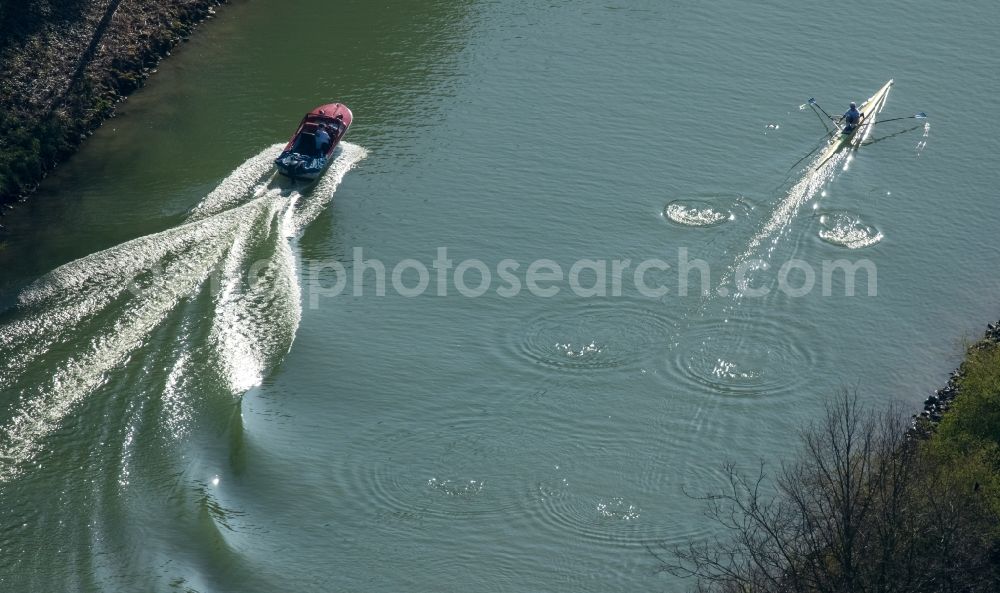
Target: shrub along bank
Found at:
x=874, y=502
x=64, y=64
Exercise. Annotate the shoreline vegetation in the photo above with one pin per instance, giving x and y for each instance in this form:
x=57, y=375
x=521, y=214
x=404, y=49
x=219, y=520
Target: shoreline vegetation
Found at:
x=874, y=501
x=65, y=64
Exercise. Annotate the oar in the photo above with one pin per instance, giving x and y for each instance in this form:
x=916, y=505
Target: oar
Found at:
x=816, y=105
x=920, y=115
x=822, y=143
x=901, y=132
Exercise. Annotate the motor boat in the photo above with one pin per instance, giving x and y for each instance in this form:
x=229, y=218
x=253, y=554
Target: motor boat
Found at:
x=310, y=150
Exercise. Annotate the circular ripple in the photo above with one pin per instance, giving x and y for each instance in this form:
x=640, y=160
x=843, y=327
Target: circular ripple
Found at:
x=846, y=229
x=624, y=510
x=706, y=211
x=696, y=213
x=759, y=357
x=592, y=335
x=617, y=509
x=592, y=515
x=461, y=468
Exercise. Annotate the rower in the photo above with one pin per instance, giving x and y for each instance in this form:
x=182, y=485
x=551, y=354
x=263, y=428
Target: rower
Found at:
x=851, y=117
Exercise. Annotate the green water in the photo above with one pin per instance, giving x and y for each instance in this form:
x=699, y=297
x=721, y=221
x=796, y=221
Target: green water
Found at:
x=185, y=407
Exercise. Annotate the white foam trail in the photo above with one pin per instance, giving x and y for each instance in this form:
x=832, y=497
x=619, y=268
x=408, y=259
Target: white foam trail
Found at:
x=178, y=411
x=122, y=294
x=247, y=179
x=761, y=246
x=257, y=311
x=320, y=197
x=74, y=295
x=196, y=248
x=256, y=321
x=69, y=295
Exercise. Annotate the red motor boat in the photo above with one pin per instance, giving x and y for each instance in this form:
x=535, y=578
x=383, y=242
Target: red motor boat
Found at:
x=310, y=150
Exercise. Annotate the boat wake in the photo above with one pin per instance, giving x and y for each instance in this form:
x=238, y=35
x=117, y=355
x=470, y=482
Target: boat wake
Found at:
x=233, y=253
x=728, y=348
x=761, y=246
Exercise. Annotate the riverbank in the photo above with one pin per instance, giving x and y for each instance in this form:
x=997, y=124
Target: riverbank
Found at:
x=977, y=366
x=65, y=64
x=865, y=505
x=961, y=422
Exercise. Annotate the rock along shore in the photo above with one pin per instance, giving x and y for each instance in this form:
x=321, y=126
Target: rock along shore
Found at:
x=938, y=403
x=65, y=64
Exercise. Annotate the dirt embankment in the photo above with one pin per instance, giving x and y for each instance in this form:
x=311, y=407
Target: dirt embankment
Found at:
x=64, y=64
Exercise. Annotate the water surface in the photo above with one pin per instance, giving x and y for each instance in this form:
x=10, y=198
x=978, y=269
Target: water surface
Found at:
x=168, y=424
